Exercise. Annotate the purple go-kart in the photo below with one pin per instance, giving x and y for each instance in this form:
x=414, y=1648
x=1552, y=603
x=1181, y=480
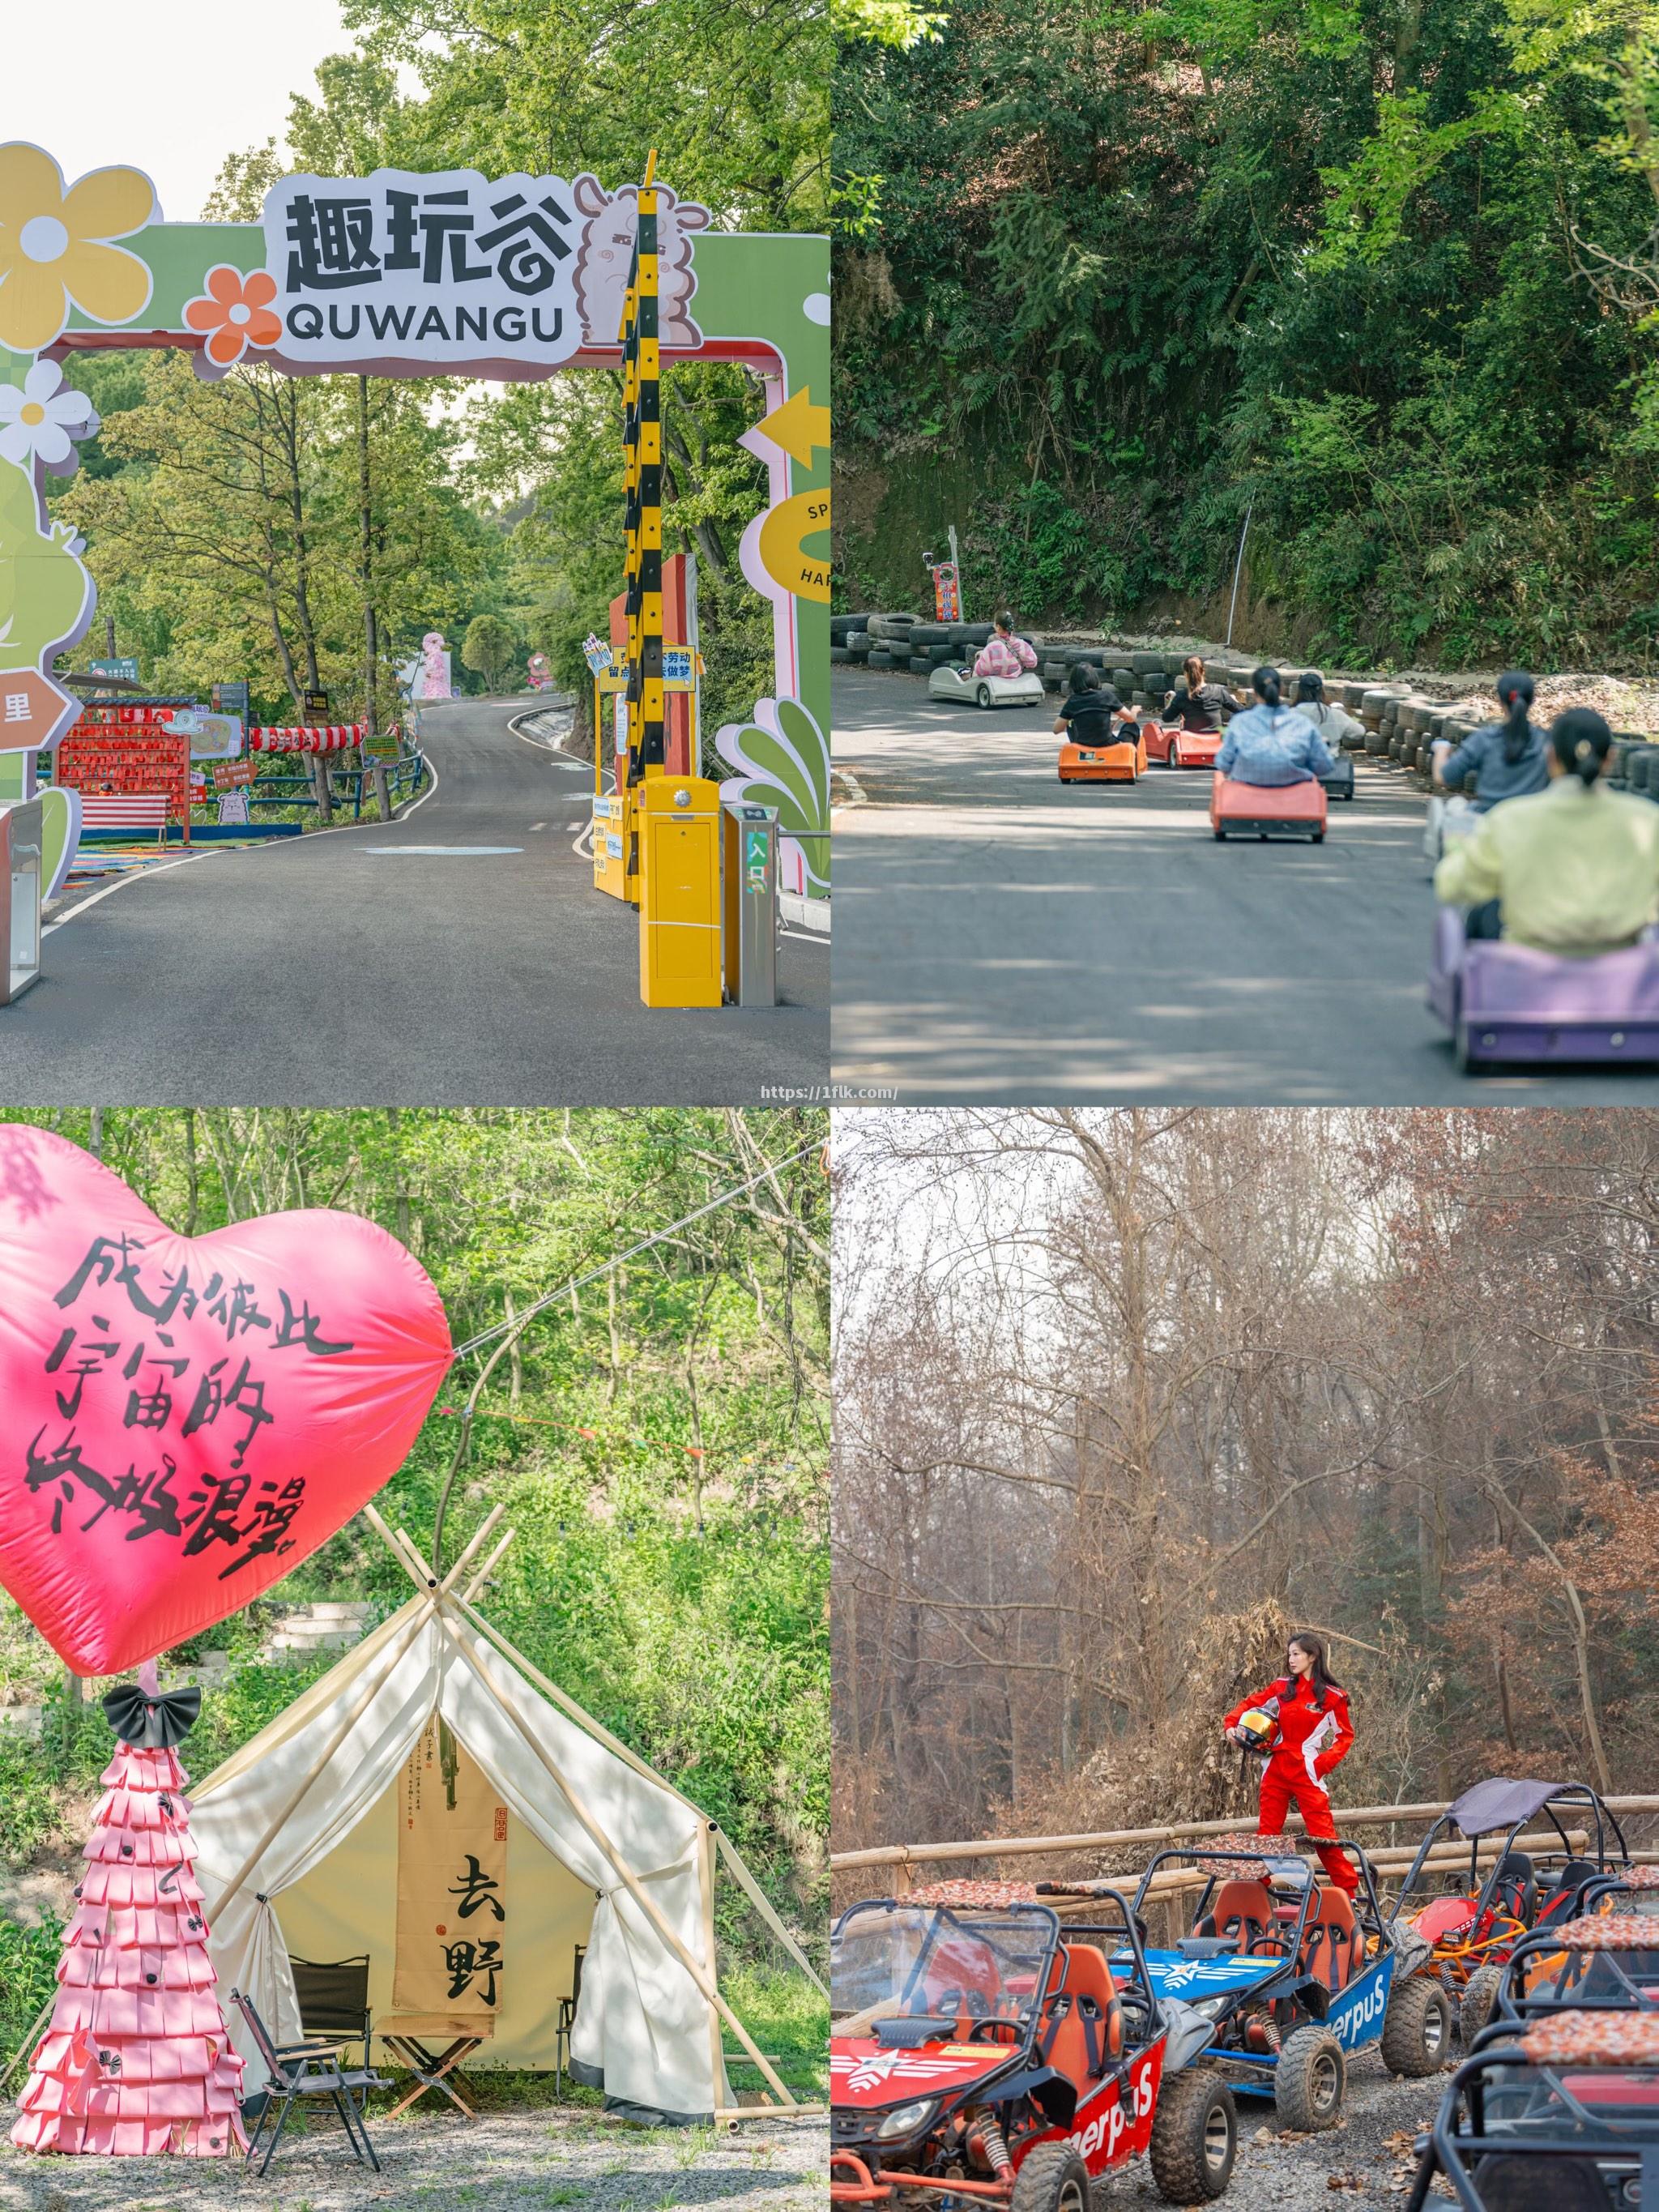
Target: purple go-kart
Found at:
x=1510, y=1002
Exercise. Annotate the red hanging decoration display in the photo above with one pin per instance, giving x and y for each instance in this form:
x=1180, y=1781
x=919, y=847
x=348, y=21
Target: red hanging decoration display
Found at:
x=137, y=2060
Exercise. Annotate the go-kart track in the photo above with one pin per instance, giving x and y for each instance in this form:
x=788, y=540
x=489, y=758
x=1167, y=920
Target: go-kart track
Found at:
x=1003, y=938
x=457, y=955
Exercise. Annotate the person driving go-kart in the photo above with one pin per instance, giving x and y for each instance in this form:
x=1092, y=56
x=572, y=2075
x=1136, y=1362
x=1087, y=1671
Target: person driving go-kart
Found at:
x=1270, y=744
x=1573, y=869
x=1499, y=761
x=1085, y=713
x=1196, y=704
x=1301, y=1720
x=1003, y=653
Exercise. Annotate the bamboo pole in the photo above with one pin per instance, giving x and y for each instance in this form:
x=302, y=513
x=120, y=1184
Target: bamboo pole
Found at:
x=355, y=1713
x=708, y=1988
x=568, y=1705
x=992, y=1847
x=487, y=1570
x=706, y=1884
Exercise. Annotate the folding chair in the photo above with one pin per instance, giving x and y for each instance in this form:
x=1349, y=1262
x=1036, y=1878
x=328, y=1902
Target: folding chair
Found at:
x=307, y=2069
x=333, y=1997
x=567, y=2020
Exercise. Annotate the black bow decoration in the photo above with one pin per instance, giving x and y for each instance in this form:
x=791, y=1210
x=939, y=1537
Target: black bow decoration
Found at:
x=151, y=1723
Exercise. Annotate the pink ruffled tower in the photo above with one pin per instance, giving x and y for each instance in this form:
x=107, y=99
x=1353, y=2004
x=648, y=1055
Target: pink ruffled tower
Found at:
x=137, y=2060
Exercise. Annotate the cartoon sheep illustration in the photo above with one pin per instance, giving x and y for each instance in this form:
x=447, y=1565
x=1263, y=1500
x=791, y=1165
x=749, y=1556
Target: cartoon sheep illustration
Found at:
x=607, y=248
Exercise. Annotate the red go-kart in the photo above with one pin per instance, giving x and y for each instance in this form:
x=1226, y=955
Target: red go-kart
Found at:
x=1170, y=746
x=975, y=2058
x=1263, y=810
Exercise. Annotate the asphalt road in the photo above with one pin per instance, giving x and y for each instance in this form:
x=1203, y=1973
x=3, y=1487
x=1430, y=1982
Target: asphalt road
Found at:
x=1003, y=938
x=318, y=971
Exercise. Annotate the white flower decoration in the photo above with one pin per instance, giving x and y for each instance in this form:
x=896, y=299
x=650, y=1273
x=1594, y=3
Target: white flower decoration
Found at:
x=43, y=420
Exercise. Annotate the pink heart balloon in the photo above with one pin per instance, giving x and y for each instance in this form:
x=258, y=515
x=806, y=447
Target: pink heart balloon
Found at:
x=184, y=1419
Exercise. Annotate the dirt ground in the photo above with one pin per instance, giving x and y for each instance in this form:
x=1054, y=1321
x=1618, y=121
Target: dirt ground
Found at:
x=525, y=2161
x=1366, y=2160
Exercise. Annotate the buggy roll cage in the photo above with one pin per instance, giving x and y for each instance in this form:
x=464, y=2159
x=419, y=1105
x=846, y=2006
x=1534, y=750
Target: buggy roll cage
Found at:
x=1446, y=2151
x=1030, y=2020
x=1515, y=2005
x=1570, y=1794
x=1368, y=1906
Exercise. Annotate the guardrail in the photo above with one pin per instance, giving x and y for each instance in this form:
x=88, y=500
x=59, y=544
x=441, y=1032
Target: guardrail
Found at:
x=404, y=777
x=903, y=1858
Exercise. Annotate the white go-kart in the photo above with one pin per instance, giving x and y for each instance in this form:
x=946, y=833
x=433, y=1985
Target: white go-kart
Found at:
x=960, y=683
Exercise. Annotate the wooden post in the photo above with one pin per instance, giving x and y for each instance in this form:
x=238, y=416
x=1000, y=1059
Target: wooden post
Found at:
x=317, y=763
x=706, y=1881
x=608, y=1851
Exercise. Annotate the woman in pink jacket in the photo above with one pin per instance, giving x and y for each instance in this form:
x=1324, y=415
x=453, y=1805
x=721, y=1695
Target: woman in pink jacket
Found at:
x=1005, y=654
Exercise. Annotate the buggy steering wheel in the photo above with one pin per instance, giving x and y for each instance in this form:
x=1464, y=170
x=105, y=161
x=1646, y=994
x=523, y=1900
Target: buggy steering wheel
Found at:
x=1001, y=2031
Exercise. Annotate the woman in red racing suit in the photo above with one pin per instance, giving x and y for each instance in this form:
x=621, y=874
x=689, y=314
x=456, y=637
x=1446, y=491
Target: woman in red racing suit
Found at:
x=1314, y=1734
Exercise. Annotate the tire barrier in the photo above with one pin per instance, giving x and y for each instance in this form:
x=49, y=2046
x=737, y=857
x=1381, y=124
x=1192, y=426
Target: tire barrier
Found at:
x=1398, y=724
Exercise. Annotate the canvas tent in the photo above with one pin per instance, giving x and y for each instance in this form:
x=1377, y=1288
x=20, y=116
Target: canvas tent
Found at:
x=299, y=1835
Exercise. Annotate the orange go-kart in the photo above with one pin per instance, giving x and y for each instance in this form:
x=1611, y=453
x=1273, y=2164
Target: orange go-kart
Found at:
x=1123, y=761
x=978, y=2061
x=1263, y=810
x=1473, y=1932
x=1170, y=746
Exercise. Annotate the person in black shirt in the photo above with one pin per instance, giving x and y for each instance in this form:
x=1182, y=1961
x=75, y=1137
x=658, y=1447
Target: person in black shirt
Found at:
x=1085, y=714
x=1197, y=704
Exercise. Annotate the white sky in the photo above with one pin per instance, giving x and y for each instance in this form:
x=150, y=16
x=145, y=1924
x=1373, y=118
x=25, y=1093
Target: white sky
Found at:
x=169, y=86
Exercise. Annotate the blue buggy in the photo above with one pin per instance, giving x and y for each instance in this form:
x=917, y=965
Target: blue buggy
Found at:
x=1294, y=1978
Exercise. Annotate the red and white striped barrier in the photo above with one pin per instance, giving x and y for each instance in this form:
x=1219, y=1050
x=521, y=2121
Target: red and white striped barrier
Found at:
x=335, y=738
x=124, y=811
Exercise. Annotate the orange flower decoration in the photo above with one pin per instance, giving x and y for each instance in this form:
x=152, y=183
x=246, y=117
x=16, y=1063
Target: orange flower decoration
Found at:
x=236, y=309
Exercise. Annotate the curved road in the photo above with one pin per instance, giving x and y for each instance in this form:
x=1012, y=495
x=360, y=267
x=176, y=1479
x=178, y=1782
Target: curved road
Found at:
x=1002, y=938
x=318, y=971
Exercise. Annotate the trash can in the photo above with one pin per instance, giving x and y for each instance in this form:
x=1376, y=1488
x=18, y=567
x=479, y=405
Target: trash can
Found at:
x=21, y=835
x=750, y=873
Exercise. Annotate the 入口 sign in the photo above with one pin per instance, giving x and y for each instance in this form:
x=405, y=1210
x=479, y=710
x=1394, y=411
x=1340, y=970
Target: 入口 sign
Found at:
x=442, y=269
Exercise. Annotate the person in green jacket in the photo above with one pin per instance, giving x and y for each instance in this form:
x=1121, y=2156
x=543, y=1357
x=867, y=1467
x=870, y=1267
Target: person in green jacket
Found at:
x=1575, y=867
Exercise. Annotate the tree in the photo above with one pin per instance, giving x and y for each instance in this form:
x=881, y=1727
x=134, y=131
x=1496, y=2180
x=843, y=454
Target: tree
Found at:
x=491, y=646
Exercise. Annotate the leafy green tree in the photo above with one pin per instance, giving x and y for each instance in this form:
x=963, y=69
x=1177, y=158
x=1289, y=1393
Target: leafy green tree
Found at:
x=489, y=647
x=1137, y=271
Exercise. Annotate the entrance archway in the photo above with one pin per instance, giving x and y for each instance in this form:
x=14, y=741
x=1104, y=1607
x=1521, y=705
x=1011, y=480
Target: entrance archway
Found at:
x=401, y=273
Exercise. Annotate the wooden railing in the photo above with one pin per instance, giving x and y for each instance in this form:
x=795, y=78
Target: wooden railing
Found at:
x=904, y=1858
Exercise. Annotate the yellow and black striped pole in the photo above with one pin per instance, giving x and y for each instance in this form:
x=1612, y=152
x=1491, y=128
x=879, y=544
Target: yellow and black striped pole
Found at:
x=642, y=460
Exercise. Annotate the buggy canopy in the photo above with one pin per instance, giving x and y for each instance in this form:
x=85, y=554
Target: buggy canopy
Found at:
x=299, y=1834
x=1499, y=1802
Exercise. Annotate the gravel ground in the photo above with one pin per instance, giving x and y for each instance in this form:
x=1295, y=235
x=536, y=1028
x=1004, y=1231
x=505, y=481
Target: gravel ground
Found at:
x=522, y=2161
x=1367, y=2158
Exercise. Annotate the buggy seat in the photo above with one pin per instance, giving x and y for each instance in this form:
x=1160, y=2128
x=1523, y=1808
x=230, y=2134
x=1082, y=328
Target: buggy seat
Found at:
x=1081, y=2033
x=1330, y=1942
x=1516, y=1890
x=1566, y=1887
x=1243, y=1913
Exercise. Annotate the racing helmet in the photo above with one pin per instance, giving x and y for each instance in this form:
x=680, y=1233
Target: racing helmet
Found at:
x=1261, y=1724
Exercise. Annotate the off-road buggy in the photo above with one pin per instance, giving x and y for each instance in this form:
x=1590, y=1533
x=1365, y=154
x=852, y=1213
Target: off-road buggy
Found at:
x=1293, y=1977
x=1606, y=1959
x=1472, y=1928
x=1557, y=2114
x=979, y=2055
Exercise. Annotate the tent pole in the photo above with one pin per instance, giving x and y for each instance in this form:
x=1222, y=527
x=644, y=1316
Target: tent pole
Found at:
x=706, y=1883
x=709, y=1987
x=358, y=1709
x=751, y=1888
x=767, y=1911
x=487, y=1570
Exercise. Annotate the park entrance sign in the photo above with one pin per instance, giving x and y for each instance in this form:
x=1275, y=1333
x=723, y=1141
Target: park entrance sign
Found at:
x=399, y=273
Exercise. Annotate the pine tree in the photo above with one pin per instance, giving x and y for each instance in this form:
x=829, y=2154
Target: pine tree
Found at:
x=137, y=2059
